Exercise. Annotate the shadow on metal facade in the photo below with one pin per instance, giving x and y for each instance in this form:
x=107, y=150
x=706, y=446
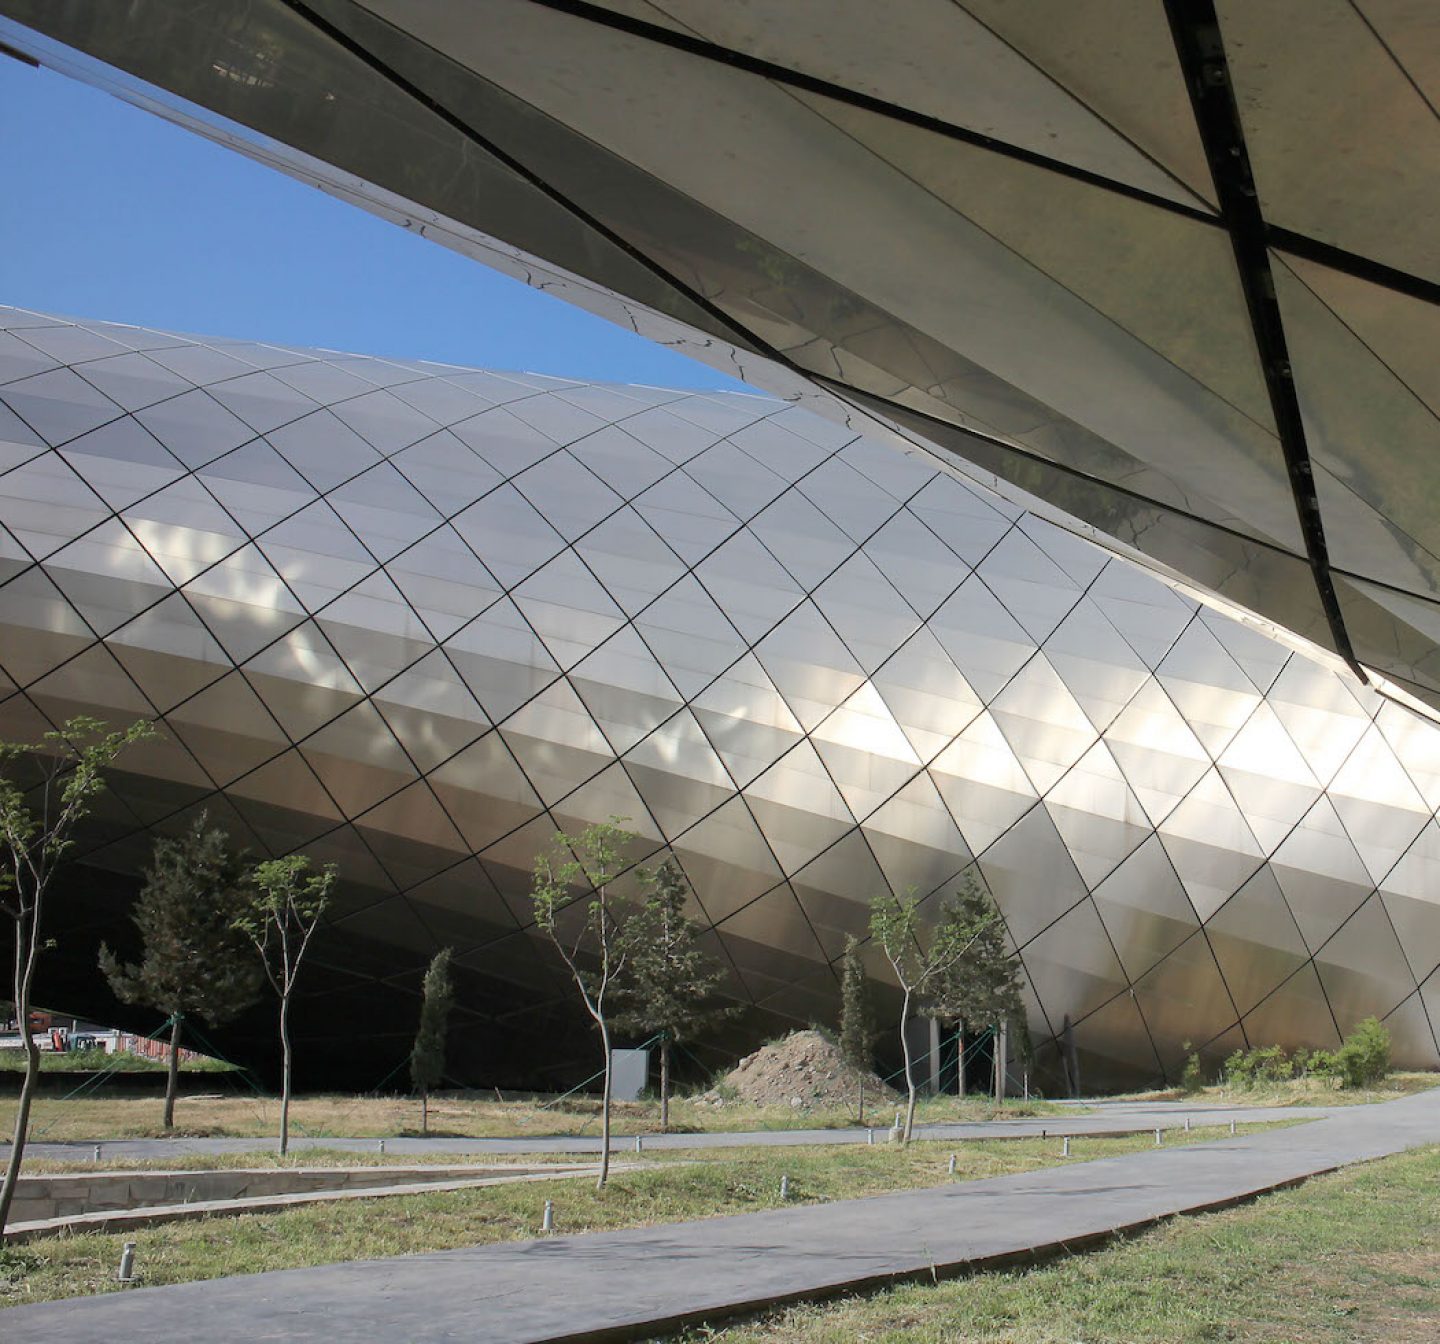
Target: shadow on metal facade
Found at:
x=414, y=618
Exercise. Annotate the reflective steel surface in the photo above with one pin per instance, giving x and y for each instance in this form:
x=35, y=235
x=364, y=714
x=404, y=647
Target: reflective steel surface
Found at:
x=1174, y=268
x=414, y=618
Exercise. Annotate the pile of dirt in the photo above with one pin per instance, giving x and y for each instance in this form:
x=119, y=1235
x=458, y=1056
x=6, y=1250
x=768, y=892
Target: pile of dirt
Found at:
x=803, y=1070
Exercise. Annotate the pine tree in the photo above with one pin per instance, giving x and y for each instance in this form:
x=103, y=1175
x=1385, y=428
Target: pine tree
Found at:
x=857, y=1014
x=282, y=911
x=668, y=977
x=427, y=1058
x=982, y=989
x=194, y=961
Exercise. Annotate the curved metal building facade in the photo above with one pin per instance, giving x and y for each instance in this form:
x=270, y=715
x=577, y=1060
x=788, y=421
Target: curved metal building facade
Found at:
x=1172, y=265
x=415, y=618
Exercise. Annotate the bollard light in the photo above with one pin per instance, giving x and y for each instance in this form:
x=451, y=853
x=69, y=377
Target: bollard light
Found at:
x=1157, y=1137
x=1232, y=1127
x=1065, y=1151
x=637, y=1143
x=1187, y=1124
x=127, y=1263
x=784, y=1187
x=380, y=1147
x=547, y=1219
x=97, y=1152
x=870, y=1137
x=952, y=1164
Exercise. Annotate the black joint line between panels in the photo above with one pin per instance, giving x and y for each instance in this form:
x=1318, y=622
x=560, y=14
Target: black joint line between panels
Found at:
x=798, y=79
x=739, y=333
x=1200, y=48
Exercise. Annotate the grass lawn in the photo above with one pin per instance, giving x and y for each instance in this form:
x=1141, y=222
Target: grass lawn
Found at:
x=1354, y=1256
x=99, y=1117
x=674, y=1186
x=97, y=1061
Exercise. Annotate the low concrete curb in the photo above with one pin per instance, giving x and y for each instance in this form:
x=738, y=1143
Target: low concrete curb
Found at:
x=126, y=1220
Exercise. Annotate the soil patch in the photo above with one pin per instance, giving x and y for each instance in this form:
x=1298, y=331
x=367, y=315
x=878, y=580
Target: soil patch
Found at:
x=804, y=1070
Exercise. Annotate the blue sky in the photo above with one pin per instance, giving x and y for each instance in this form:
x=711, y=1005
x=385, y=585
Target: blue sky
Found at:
x=109, y=212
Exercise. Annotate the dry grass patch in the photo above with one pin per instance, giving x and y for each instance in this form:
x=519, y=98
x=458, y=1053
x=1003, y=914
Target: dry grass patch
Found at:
x=336, y=1116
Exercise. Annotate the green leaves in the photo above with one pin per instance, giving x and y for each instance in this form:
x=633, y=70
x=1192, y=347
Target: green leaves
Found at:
x=667, y=976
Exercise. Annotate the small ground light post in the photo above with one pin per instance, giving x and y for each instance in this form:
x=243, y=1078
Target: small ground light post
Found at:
x=97, y=1152
x=127, y=1263
x=380, y=1147
x=547, y=1219
x=1157, y=1136
x=952, y=1164
x=870, y=1137
x=784, y=1187
x=1232, y=1127
x=637, y=1144
x=1065, y=1151
x=1187, y=1124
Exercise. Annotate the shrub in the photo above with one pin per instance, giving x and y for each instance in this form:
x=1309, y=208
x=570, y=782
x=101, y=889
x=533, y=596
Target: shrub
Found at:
x=1191, y=1080
x=1364, y=1058
x=1254, y=1068
x=1323, y=1064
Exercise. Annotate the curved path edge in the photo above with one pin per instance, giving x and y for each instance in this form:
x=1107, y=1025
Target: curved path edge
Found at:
x=641, y=1282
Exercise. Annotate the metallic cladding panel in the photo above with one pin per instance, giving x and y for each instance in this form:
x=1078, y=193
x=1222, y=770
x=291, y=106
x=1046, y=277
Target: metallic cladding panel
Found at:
x=415, y=618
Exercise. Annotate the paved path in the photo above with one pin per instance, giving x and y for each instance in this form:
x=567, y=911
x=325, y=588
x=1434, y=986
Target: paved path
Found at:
x=1102, y=1118
x=627, y=1285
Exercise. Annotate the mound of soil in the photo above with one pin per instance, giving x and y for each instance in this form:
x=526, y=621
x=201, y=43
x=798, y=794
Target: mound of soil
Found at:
x=803, y=1070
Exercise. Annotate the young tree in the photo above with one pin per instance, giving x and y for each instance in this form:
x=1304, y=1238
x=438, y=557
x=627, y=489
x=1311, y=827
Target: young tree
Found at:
x=667, y=977
x=895, y=925
x=857, y=1016
x=982, y=988
x=283, y=908
x=36, y=833
x=427, y=1058
x=195, y=962
x=596, y=859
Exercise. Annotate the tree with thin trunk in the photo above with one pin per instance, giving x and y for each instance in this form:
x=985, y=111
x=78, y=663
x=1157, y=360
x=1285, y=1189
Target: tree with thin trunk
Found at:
x=981, y=989
x=427, y=1058
x=283, y=908
x=895, y=925
x=37, y=825
x=596, y=928
x=668, y=980
x=194, y=962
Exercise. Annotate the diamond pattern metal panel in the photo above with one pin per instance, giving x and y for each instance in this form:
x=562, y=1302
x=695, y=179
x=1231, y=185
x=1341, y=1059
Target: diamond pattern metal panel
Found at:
x=414, y=633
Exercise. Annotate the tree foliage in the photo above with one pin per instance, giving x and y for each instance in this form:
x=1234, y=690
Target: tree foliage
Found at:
x=982, y=987
x=284, y=904
x=591, y=943
x=923, y=964
x=194, y=962
x=427, y=1057
x=37, y=832
x=668, y=978
x=857, y=1011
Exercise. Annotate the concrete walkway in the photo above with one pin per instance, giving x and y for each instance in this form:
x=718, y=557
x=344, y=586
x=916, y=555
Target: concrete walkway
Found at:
x=635, y=1284
x=1127, y=1117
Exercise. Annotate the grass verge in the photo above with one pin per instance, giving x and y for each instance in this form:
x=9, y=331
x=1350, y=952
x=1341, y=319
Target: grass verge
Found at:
x=1354, y=1256
x=673, y=1187
x=97, y=1118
